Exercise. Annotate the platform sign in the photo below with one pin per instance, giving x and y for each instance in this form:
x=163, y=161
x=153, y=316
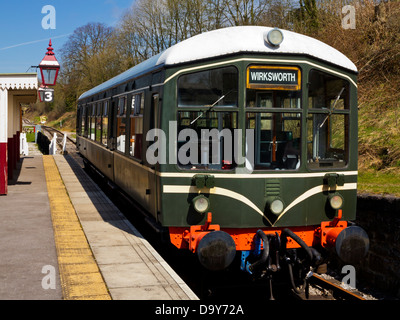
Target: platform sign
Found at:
x=273, y=78
x=46, y=95
x=49, y=95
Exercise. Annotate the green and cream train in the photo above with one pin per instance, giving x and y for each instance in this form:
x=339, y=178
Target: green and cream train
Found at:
x=241, y=140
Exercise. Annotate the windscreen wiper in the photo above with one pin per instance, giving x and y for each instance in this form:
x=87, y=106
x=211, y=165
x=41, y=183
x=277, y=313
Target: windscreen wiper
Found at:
x=211, y=107
x=333, y=108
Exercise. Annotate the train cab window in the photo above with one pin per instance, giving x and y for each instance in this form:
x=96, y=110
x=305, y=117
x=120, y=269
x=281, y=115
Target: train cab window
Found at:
x=104, y=132
x=207, y=119
x=327, y=121
x=206, y=142
x=215, y=87
x=275, y=117
x=136, y=126
x=121, y=124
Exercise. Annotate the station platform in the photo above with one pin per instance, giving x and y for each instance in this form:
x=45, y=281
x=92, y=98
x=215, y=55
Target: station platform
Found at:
x=61, y=238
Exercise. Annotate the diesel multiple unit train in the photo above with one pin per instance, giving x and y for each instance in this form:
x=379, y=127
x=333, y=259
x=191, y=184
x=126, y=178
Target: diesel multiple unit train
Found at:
x=241, y=142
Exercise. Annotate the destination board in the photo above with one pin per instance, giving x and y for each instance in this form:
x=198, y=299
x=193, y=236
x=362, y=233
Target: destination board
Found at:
x=276, y=78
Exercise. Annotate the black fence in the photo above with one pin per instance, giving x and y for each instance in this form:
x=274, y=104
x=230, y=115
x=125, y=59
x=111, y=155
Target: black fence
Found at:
x=43, y=143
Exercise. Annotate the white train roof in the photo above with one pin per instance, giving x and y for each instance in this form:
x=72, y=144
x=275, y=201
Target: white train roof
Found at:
x=227, y=41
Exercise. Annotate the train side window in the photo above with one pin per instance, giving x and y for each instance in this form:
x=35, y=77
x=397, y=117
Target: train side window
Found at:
x=93, y=122
x=136, y=128
x=98, y=121
x=122, y=106
x=88, y=121
x=327, y=121
x=154, y=111
x=121, y=124
x=83, y=120
x=104, y=135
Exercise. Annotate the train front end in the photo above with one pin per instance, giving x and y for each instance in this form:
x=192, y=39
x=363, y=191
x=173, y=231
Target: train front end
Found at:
x=262, y=156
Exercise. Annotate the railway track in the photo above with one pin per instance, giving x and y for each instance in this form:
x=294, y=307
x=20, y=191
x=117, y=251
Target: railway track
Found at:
x=323, y=287
x=70, y=145
x=49, y=132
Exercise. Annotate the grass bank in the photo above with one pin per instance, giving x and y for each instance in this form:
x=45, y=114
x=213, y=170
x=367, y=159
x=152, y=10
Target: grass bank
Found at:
x=383, y=183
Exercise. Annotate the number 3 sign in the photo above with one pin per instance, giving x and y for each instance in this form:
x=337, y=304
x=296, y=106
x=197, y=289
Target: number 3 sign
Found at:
x=49, y=96
x=46, y=95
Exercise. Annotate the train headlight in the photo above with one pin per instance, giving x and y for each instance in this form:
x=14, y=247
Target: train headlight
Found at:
x=274, y=37
x=336, y=201
x=201, y=204
x=276, y=205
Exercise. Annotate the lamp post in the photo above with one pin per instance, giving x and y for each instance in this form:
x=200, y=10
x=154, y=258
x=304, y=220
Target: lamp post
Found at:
x=49, y=67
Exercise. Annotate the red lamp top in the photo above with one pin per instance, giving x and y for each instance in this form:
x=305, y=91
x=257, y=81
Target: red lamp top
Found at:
x=49, y=67
x=49, y=60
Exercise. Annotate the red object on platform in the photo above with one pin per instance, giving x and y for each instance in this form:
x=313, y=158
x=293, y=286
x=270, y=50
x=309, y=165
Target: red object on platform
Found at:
x=3, y=169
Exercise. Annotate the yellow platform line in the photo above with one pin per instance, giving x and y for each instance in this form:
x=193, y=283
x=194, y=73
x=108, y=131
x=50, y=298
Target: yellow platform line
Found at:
x=79, y=274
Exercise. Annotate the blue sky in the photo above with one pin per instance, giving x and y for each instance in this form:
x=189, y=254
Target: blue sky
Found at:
x=23, y=41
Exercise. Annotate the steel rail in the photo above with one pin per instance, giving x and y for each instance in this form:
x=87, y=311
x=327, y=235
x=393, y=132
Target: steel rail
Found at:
x=337, y=291
x=60, y=136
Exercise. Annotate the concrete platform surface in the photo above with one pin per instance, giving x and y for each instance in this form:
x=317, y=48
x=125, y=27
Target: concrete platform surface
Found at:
x=131, y=268
x=28, y=258
x=33, y=265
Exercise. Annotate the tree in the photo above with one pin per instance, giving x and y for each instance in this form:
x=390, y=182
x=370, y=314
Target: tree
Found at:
x=151, y=26
x=281, y=14
x=309, y=15
x=89, y=56
x=245, y=12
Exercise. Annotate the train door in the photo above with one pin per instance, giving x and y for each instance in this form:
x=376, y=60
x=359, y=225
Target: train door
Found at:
x=153, y=178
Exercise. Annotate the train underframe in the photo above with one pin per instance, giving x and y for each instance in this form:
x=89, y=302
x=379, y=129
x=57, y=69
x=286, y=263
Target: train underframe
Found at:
x=271, y=251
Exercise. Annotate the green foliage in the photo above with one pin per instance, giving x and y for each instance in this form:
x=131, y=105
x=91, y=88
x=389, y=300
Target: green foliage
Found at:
x=309, y=15
x=378, y=182
x=30, y=137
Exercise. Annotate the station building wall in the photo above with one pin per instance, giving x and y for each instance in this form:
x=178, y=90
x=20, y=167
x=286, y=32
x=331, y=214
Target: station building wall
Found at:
x=15, y=90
